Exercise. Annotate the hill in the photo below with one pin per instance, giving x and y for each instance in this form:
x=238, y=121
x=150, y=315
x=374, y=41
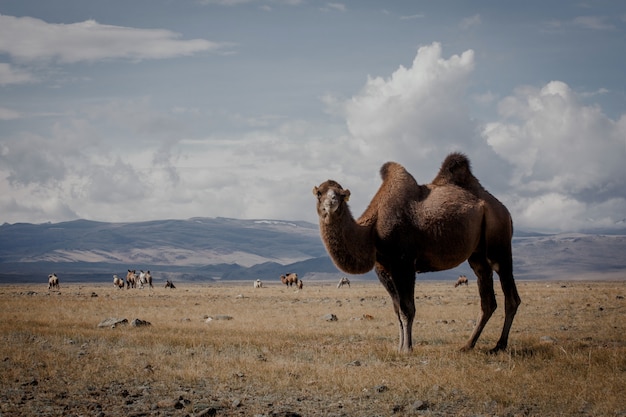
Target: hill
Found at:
x=234, y=249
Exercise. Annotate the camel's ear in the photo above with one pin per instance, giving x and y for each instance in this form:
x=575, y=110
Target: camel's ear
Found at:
x=315, y=191
x=346, y=195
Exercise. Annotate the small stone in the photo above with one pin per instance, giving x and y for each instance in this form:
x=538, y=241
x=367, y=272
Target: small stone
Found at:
x=381, y=388
x=140, y=323
x=330, y=317
x=220, y=317
x=419, y=405
x=112, y=322
x=167, y=403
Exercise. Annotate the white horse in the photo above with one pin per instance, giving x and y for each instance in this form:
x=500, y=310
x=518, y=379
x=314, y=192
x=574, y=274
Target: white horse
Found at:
x=258, y=284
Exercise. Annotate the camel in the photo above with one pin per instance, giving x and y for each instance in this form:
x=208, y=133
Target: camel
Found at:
x=118, y=282
x=343, y=281
x=461, y=281
x=148, y=278
x=145, y=278
x=53, y=282
x=131, y=279
x=289, y=279
x=410, y=228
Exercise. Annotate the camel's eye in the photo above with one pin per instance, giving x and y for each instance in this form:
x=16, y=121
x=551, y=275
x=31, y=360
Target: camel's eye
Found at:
x=319, y=194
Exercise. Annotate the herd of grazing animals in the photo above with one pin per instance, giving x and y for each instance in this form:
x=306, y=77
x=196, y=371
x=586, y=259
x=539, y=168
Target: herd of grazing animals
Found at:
x=453, y=211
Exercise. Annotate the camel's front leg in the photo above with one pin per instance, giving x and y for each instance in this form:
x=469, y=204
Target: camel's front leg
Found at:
x=404, y=315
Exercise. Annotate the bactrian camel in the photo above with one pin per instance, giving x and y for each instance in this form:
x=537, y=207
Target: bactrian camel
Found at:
x=53, y=282
x=462, y=280
x=410, y=228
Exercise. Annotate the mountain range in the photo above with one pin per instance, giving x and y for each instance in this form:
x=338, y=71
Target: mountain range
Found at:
x=212, y=249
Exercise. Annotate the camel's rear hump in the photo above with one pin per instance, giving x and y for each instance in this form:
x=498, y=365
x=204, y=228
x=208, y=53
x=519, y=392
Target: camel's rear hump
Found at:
x=456, y=169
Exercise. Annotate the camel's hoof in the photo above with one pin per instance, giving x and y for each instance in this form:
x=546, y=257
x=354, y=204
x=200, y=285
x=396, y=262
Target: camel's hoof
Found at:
x=496, y=349
x=467, y=348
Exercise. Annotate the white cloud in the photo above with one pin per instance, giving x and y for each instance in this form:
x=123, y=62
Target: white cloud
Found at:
x=417, y=112
x=9, y=114
x=566, y=156
x=11, y=75
x=471, y=21
x=29, y=39
x=592, y=23
x=412, y=17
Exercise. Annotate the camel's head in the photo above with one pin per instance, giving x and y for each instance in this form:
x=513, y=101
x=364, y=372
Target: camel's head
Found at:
x=330, y=197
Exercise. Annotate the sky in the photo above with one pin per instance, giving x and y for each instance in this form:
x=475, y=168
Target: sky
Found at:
x=140, y=110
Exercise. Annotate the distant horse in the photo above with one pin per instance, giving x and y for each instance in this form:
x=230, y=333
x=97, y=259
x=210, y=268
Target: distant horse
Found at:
x=169, y=284
x=258, y=284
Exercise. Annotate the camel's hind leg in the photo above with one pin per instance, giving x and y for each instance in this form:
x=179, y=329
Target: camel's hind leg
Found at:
x=511, y=300
x=488, y=303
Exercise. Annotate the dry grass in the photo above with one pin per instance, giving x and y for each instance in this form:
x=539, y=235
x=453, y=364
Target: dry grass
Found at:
x=277, y=353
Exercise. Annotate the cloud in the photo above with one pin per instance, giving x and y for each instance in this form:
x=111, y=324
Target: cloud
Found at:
x=598, y=23
x=9, y=114
x=416, y=112
x=470, y=22
x=412, y=17
x=593, y=23
x=29, y=39
x=565, y=155
x=11, y=75
x=338, y=7
x=240, y=2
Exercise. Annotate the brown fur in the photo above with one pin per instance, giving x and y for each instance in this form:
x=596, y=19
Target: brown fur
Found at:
x=289, y=279
x=409, y=228
x=118, y=282
x=461, y=281
x=131, y=279
x=149, y=278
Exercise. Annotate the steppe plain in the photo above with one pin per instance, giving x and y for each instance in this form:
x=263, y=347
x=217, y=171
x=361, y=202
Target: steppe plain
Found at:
x=228, y=349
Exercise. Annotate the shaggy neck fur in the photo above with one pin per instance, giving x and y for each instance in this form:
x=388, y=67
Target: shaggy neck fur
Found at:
x=349, y=244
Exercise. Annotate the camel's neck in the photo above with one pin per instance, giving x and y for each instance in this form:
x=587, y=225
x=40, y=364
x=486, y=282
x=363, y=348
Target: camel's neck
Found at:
x=350, y=245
